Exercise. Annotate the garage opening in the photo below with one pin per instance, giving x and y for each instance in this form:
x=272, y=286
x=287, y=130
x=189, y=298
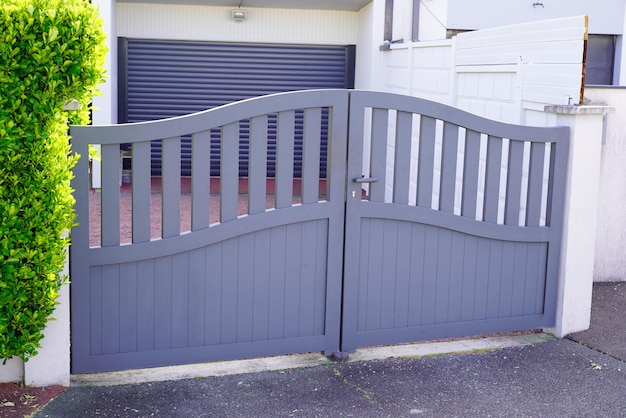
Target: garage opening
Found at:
x=166, y=78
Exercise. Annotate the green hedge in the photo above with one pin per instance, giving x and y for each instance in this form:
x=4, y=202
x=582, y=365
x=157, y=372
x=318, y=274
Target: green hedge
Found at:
x=51, y=51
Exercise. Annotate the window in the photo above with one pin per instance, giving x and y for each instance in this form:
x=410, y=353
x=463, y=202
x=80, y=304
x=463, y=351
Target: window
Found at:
x=600, y=59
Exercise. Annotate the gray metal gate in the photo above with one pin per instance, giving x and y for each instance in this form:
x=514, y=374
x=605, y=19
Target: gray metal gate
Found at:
x=452, y=227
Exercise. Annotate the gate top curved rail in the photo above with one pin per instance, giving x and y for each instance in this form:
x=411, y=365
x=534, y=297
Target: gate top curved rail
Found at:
x=207, y=119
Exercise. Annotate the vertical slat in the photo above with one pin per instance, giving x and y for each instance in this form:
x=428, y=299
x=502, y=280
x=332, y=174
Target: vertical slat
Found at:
x=111, y=195
x=95, y=311
x=426, y=162
x=230, y=282
x=200, y=179
x=257, y=177
x=213, y=296
x=457, y=270
x=403, y=275
x=418, y=253
x=321, y=277
x=449, y=152
x=430, y=276
x=540, y=295
x=551, y=180
x=145, y=305
x=141, y=191
x=128, y=307
x=444, y=262
x=163, y=303
x=293, y=272
x=535, y=183
x=495, y=271
x=482, y=279
x=284, y=159
x=514, y=183
x=337, y=154
x=277, y=282
x=171, y=187
x=311, y=155
x=245, y=289
x=229, y=170
x=364, y=257
x=470, y=264
x=471, y=165
x=534, y=275
x=378, y=154
x=262, y=244
x=374, y=274
x=492, y=179
x=197, y=289
x=519, y=278
x=110, y=309
x=507, y=274
x=389, y=256
x=308, y=279
x=402, y=165
x=180, y=300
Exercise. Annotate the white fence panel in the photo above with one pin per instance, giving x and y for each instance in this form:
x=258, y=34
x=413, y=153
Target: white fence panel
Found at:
x=508, y=73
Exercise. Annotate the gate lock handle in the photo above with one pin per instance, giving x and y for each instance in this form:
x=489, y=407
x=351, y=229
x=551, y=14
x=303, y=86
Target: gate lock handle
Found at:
x=364, y=179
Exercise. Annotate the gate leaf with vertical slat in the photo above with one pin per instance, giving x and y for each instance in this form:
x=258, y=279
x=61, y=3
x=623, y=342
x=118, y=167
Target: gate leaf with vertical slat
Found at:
x=452, y=227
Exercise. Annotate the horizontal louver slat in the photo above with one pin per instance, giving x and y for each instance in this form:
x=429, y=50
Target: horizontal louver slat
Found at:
x=168, y=78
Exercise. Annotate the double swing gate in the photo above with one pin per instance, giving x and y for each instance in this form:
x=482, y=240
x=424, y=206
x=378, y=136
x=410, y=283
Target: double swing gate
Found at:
x=407, y=220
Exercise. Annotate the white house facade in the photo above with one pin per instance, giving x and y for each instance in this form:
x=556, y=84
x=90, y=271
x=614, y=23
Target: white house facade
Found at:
x=157, y=47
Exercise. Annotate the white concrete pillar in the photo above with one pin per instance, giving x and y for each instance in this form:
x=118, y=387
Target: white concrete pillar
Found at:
x=573, y=311
x=51, y=365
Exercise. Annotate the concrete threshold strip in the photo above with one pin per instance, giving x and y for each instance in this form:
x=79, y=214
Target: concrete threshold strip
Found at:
x=294, y=361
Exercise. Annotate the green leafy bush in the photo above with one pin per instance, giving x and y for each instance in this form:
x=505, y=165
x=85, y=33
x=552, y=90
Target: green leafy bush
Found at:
x=51, y=51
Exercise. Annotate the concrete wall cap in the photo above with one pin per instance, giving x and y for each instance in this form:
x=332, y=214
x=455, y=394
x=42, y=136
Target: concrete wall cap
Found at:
x=579, y=110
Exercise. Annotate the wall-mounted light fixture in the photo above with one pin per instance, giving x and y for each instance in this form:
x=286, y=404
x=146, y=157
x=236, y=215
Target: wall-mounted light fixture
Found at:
x=238, y=15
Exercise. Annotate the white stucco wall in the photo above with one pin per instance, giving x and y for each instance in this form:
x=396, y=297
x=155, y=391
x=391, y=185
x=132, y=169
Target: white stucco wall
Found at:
x=369, y=36
x=432, y=22
x=209, y=23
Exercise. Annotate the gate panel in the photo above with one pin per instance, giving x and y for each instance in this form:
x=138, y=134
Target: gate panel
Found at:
x=214, y=297
x=427, y=276
x=258, y=272
x=453, y=222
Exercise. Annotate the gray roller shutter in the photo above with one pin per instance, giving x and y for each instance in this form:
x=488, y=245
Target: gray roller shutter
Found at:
x=166, y=78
